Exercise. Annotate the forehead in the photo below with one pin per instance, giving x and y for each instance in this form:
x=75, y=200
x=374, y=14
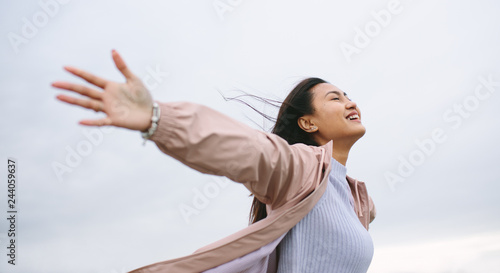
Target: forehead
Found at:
x=323, y=89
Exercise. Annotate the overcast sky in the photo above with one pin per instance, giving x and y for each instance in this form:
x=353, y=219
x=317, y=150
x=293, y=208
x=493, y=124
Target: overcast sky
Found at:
x=425, y=74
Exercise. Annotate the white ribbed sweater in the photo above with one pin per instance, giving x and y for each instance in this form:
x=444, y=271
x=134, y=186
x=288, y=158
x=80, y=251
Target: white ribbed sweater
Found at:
x=330, y=238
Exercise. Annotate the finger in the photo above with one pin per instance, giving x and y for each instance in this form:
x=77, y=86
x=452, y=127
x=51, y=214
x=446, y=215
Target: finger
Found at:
x=100, y=82
x=80, y=89
x=89, y=104
x=98, y=122
x=120, y=64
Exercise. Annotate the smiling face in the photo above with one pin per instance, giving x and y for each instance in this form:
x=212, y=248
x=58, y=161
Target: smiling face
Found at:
x=330, y=120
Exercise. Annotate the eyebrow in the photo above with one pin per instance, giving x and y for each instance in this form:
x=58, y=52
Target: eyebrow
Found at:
x=335, y=92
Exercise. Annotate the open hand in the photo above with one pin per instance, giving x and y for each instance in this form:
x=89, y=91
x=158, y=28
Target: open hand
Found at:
x=127, y=105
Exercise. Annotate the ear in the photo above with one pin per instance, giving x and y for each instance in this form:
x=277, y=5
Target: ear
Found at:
x=306, y=124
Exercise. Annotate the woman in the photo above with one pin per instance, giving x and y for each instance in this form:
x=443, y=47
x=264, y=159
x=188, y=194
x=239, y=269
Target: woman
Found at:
x=308, y=215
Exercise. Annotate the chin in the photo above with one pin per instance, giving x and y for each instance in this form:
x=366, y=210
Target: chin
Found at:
x=360, y=132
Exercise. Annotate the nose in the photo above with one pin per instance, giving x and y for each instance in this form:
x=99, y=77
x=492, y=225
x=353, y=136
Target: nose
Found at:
x=350, y=104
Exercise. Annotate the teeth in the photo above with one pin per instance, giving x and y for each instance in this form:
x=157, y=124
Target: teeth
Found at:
x=353, y=117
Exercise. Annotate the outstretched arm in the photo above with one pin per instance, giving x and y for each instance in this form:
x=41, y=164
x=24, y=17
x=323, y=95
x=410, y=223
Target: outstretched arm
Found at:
x=203, y=138
x=213, y=143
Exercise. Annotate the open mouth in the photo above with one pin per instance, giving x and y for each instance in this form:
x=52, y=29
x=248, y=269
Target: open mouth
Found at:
x=353, y=117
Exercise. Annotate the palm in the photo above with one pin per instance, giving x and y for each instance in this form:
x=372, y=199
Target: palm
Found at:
x=127, y=105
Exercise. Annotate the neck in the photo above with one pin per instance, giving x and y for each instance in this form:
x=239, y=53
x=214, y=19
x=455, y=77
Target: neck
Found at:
x=340, y=155
x=340, y=150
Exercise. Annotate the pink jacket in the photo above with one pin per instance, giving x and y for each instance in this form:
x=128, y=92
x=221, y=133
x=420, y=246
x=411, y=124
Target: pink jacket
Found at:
x=289, y=179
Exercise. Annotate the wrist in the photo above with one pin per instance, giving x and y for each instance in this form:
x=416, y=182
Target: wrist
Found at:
x=153, y=125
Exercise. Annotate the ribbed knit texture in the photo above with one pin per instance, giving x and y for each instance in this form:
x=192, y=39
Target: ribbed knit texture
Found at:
x=330, y=238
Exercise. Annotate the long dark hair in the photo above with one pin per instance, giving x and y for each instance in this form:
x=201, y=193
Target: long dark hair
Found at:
x=297, y=104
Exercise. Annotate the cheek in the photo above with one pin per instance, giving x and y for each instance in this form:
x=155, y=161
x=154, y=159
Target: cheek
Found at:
x=335, y=125
x=332, y=115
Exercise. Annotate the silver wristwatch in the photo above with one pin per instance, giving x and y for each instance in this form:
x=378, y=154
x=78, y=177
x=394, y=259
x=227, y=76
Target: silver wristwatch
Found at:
x=154, y=123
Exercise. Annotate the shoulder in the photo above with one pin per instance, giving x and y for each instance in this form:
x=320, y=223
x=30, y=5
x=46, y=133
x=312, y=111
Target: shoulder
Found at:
x=304, y=169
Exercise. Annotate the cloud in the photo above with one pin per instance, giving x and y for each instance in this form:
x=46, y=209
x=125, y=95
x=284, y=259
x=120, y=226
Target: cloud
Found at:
x=469, y=254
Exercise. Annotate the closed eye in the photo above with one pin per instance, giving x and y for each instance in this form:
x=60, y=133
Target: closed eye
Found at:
x=337, y=93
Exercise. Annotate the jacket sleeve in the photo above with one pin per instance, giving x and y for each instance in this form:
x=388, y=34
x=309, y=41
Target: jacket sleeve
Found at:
x=213, y=143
